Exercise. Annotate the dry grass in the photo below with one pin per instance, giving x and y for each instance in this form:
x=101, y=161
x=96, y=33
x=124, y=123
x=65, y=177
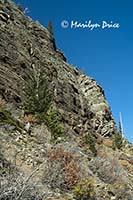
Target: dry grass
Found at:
x=30, y=118
x=2, y=103
x=108, y=143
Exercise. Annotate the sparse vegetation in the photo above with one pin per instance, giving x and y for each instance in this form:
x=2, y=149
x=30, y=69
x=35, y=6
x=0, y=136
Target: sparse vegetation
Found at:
x=107, y=168
x=18, y=186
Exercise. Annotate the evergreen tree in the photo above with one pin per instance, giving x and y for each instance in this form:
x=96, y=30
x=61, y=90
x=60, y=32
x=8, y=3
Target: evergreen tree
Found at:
x=118, y=140
x=50, y=29
x=37, y=98
x=52, y=121
x=120, y=128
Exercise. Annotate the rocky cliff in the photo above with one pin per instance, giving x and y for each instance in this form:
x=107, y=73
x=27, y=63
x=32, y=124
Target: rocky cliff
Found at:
x=25, y=44
x=84, y=158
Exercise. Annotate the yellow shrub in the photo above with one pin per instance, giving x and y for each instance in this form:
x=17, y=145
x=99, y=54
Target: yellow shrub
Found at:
x=84, y=190
x=108, y=143
x=125, y=164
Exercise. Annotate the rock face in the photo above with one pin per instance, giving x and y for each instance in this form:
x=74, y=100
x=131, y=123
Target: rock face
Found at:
x=24, y=43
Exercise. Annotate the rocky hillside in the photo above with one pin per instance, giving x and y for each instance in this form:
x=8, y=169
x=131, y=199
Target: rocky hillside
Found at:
x=57, y=135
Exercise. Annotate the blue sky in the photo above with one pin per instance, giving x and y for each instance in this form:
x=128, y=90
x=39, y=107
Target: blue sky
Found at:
x=104, y=54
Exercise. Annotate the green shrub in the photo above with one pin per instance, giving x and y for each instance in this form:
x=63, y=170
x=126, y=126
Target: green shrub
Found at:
x=6, y=117
x=90, y=141
x=53, y=124
x=84, y=190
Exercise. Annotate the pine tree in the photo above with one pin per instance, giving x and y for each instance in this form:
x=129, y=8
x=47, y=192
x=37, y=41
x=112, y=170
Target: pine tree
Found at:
x=120, y=129
x=36, y=98
x=50, y=29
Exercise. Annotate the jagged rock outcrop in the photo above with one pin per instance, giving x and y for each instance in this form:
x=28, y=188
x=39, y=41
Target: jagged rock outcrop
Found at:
x=97, y=104
x=24, y=44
